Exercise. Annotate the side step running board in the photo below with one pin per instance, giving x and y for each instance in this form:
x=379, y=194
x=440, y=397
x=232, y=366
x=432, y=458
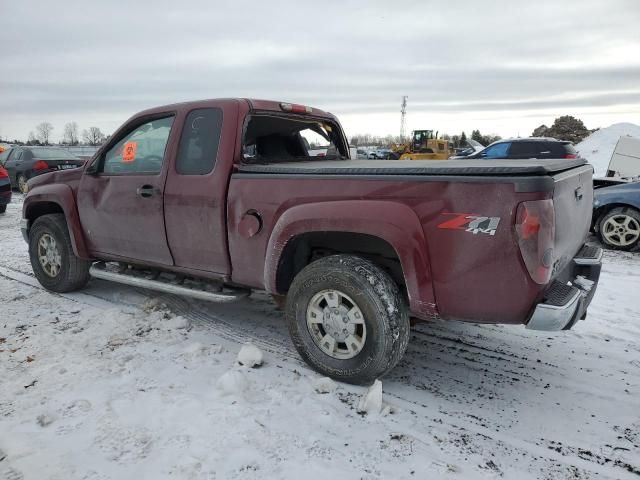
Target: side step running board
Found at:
x=98, y=270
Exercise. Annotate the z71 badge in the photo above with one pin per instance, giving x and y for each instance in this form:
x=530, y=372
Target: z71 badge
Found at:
x=471, y=223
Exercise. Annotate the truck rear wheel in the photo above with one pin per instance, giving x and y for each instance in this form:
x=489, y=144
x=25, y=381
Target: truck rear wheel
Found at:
x=54, y=264
x=347, y=318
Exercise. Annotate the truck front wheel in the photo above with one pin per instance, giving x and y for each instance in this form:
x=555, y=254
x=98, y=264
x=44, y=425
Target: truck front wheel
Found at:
x=347, y=318
x=54, y=264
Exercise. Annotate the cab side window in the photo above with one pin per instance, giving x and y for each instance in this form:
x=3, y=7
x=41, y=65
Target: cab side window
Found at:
x=199, y=143
x=141, y=151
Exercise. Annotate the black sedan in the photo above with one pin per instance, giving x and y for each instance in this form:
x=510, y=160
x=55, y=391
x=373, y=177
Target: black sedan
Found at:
x=24, y=163
x=616, y=214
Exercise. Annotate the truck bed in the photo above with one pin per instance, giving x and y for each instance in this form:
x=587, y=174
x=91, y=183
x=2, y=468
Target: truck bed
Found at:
x=472, y=167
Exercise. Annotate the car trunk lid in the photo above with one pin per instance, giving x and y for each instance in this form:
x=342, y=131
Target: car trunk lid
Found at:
x=61, y=163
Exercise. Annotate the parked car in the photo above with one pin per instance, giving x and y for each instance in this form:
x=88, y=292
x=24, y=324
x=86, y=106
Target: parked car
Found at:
x=616, y=214
x=5, y=189
x=24, y=163
x=524, y=148
x=472, y=147
x=356, y=247
x=386, y=154
x=361, y=154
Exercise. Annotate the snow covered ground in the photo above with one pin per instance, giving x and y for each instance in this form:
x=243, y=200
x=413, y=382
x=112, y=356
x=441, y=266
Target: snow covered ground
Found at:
x=115, y=383
x=598, y=147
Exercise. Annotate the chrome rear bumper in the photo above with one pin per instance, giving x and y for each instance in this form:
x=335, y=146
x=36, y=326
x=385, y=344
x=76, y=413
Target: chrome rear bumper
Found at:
x=567, y=299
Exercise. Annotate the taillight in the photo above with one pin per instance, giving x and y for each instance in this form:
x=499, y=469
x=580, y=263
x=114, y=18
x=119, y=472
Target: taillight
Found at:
x=292, y=107
x=536, y=231
x=3, y=173
x=40, y=165
x=571, y=155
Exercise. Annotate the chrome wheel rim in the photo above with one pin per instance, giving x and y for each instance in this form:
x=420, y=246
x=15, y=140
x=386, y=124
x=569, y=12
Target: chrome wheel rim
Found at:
x=336, y=324
x=621, y=230
x=22, y=184
x=49, y=255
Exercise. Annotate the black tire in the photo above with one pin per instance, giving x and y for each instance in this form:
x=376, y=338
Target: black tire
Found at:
x=383, y=306
x=607, y=220
x=3, y=208
x=21, y=182
x=73, y=272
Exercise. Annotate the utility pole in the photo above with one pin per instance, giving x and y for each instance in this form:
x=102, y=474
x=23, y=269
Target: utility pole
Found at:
x=403, y=118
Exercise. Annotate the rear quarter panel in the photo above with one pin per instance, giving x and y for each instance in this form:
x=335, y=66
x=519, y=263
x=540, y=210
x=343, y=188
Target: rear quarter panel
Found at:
x=470, y=276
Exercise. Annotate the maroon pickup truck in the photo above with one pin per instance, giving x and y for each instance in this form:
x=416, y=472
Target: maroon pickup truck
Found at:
x=215, y=198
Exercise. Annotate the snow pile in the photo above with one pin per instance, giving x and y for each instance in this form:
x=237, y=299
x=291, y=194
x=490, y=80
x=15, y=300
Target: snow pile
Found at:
x=598, y=147
x=371, y=401
x=233, y=383
x=250, y=356
x=324, y=385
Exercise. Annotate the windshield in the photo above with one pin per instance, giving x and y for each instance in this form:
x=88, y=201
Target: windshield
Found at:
x=53, y=153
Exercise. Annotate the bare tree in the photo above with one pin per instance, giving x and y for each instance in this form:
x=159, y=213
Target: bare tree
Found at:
x=93, y=136
x=32, y=140
x=43, y=132
x=71, y=133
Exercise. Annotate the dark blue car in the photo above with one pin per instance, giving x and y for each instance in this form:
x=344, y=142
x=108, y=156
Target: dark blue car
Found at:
x=616, y=215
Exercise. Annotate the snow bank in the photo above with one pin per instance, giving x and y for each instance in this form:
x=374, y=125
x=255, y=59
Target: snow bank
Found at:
x=598, y=147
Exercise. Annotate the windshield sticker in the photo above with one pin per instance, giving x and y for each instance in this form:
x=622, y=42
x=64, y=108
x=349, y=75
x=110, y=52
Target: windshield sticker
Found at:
x=471, y=223
x=129, y=151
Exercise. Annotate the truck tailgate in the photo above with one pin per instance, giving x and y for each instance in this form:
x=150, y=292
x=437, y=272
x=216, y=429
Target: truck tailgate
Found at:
x=573, y=205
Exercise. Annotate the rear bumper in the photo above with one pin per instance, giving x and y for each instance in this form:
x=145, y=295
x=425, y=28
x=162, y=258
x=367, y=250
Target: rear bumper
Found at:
x=567, y=299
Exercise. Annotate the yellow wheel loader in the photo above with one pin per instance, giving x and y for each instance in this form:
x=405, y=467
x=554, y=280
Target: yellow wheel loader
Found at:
x=424, y=145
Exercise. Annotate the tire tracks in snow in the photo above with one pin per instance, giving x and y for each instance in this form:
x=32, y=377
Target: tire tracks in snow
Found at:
x=436, y=412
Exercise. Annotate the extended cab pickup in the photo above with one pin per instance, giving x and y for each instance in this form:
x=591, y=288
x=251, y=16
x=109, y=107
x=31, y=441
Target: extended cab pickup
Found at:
x=216, y=198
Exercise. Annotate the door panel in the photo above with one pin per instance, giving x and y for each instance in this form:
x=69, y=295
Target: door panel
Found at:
x=121, y=204
x=196, y=190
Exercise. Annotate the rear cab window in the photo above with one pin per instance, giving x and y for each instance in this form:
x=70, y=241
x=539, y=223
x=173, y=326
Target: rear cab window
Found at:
x=141, y=151
x=277, y=138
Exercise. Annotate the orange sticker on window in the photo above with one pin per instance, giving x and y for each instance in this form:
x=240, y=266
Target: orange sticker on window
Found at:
x=129, y=151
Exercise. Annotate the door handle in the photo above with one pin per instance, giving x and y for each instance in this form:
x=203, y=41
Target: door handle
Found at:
x=146, y=191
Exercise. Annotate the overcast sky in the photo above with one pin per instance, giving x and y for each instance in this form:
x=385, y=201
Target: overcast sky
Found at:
x=504, y=67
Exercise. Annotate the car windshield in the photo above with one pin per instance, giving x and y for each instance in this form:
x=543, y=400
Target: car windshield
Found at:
x=53, y=153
